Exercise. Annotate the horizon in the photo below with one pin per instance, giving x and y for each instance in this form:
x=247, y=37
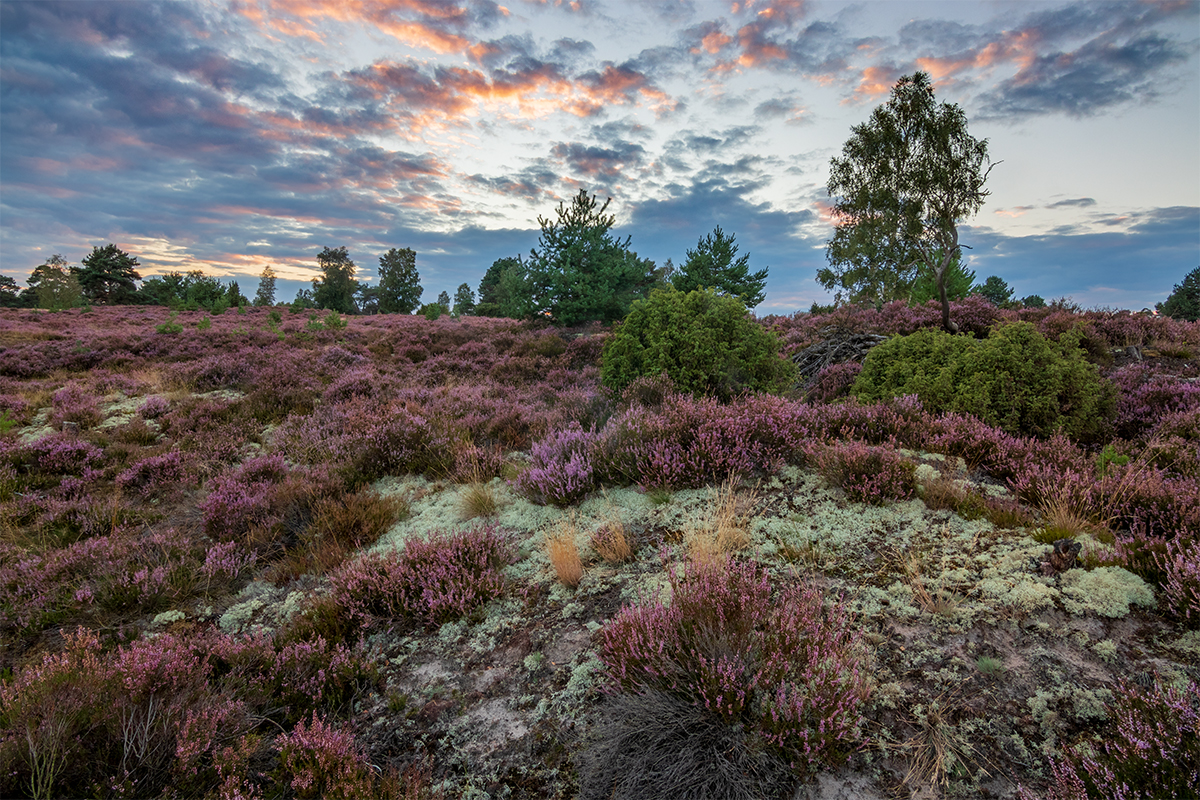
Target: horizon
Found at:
x=229, y=136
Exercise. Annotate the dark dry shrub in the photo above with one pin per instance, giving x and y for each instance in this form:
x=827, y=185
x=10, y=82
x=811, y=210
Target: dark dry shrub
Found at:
x=706, y=343
x=649, y=391
x=1015, y=380
x=355, y=520
x=656, y=745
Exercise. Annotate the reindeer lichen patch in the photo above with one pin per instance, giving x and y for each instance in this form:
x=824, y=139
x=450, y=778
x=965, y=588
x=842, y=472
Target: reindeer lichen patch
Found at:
x=1107, y=591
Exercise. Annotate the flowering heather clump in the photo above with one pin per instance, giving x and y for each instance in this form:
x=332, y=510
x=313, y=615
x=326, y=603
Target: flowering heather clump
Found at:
x=323, y=761
x=53, y=711
x=1150, y=749
x=1144, y=399
x=73, y=404
x=154, y=407
x=1180, y=563
x=833, y=382
x=154, y=474
x=779, y=663
x=561, y=472
x=243, y=499
x=226, y=560
x=59, y=454
x=430, y=582
x=868, y=474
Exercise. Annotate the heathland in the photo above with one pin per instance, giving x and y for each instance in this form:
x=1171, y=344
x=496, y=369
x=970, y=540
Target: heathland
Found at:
x=272, y=554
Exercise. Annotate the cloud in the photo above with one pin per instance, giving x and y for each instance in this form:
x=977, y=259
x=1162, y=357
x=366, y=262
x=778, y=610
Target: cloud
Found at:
x=1134, y=264
x=1078, y=202
x=603, y=162
x=442, y=26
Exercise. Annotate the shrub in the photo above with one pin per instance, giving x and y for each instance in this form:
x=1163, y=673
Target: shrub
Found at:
x=780, y=664
x=866, y=473
x=1180, y=563
x=1149, y=749
x=561, y=469
x=706, y=343
x=654, y=744
x=1015, y=380
x=73, y=404
x=431, y=581
x=1143, y=399
x=323, y=761
x=833, y=382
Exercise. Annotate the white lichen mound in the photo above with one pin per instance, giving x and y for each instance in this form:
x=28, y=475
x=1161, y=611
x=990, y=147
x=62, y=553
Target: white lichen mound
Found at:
x=1108, y=591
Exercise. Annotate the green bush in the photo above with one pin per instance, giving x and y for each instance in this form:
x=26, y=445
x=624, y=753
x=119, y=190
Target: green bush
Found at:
x=1015, y=379
x=706, y=344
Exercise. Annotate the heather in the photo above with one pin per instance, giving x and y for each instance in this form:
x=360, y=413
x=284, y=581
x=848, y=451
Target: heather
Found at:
x=391, y=556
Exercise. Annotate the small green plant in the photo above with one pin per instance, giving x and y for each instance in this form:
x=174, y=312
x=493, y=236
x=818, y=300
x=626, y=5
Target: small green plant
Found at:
x=1107, y=457
x=204, y=324
x=989, y=666
x=274, y=318
x=334, y=321
x=170, y=326
x=659, y=495
x=314, y=324
x=6, y=422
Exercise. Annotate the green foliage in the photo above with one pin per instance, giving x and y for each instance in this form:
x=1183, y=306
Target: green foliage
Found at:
x=204, y=324
x=333, y=321
x=1033, y=301
x=995, y=290
x=10, y=292
x=108, y=275
x=958, y=283
x=579, y=272
x=1015, y=379
x=304, y=300
x=54, y=286
x=464, y=301
x=706, y=343
x=399, y=282
x=904, y=181
x=6, y=422
x=1109, y=456
x=170, y=326
x=336, y=286
x=265, y=296
x=1184, y=302
x=432, y=311
x=714, y=265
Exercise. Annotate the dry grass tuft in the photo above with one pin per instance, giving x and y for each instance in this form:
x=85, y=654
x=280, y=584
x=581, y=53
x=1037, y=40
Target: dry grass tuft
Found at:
x=727, y=526
x=564, y=553
x=938, y=750
x=612, y=541
x=477, y=500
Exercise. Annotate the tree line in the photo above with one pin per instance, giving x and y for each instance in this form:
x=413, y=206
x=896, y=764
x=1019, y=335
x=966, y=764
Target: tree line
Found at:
x=904, y=181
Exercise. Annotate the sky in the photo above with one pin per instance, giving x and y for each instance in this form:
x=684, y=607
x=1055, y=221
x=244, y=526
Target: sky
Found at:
x=231, y=135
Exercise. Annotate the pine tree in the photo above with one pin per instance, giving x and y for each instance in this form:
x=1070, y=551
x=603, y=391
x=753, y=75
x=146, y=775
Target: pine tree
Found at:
x=714, y=265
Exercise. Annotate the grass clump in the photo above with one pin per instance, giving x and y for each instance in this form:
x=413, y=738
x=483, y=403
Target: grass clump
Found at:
x=564, y=554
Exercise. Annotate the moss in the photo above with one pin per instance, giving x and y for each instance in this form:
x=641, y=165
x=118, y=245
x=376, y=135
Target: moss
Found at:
x=1107, y=591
